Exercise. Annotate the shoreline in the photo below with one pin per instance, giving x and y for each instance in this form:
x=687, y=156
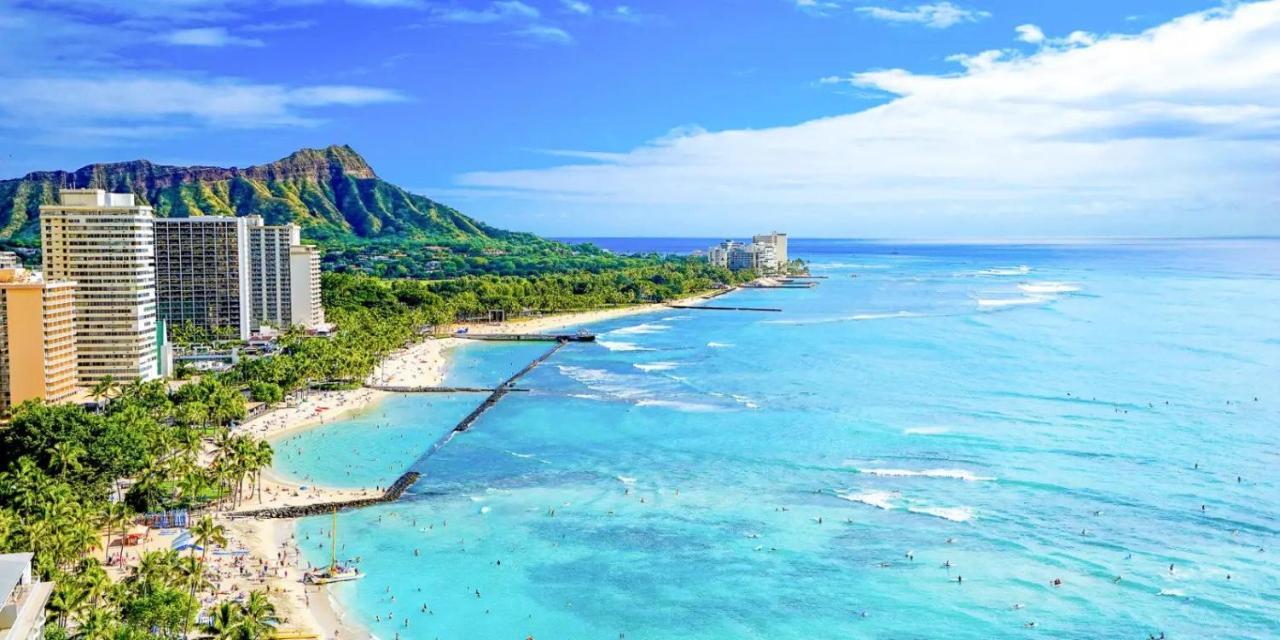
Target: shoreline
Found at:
x=424, y=363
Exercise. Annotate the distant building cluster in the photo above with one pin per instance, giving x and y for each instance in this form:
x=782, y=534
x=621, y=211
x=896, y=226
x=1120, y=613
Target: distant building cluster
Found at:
x=766, y=254
x=115, y=277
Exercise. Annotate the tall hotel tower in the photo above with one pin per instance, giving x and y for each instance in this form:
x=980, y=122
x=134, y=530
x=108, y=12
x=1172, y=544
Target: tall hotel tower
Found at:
x=106, y=244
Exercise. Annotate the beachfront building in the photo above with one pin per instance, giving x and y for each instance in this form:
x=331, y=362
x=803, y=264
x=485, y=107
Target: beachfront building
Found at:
x=9, y=260
x=777, y=243
x=305, y=307
x=765, y=254
x=37, y=338
x=106, y=244
x=202, y=274
x=269, y=282
x=22, y=598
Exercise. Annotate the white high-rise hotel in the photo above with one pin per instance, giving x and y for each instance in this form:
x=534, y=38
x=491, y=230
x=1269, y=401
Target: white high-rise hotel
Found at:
x=106, y=243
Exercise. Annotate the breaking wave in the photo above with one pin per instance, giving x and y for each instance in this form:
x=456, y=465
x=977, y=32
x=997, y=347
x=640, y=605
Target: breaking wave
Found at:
x=639, y=329
x=656, y=366
x=997, y=303
x=878, y=499
x=957, y=474
x=621, y=346
x=954, y=514
x=1049, y=287
x=1020, y=270
x=719, y=345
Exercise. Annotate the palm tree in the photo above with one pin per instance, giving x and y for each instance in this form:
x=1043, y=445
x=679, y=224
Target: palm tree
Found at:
x=204, y=533
x=68, y=598
x=65, y=455
x=224, y=621
x=104, y=387
x=116, y=516
x=258, y=617
x=261, y=459
x=96, y=624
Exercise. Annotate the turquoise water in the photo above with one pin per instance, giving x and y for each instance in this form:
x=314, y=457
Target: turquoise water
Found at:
x=1021, y=413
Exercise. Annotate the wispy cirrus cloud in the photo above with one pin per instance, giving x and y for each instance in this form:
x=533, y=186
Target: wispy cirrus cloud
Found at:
x=545, y=33
x=120, y=104
x=1171, y=130
x=938, y=15
x=208, y=37
x=499, y=11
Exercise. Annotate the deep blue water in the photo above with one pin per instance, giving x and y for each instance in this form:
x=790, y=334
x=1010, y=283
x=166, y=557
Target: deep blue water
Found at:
x=1019, y=413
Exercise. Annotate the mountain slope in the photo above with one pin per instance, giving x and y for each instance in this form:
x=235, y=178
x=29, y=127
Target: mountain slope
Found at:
x=332, y=193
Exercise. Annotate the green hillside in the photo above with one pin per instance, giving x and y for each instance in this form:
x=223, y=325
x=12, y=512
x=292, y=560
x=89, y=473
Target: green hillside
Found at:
x=331, y=193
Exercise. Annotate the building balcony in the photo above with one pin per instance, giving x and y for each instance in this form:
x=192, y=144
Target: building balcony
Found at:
x=22, y=616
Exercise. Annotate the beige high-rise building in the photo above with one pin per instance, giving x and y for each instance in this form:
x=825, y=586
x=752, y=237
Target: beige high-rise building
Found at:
x=304, y=286
x=779, y=243
x=105, y=242
x=9, y=260
x=37, y=338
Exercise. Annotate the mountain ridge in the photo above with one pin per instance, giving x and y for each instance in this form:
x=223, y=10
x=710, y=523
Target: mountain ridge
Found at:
x=332, y=193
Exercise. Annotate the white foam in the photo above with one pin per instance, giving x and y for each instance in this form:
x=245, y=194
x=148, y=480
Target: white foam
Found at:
x=1049, y=287
x=648, y=327
x=996, y=303
x=879, y=499
x=484, y=509
x=958, y=474
x=621, y=346
x=924, y=431
x=1172, y=593
x=521, y=455
x=1020, y=270
x=625, y=479
x=954, y=514
x=860, y=317
x=719, y=345
x=656, y=366
x=687, y=407
x=745, y=401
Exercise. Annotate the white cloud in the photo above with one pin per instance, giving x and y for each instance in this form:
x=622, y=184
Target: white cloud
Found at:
x=128, y=102
x=546, y=33
x=1168, y=131
x=1029, y=33
x=500, y=11
x=938, y=15
x=208, y=37
x=576, y=6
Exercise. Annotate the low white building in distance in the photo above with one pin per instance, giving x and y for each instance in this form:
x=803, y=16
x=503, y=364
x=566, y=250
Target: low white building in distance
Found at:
x=22, y=599
x=767, y=254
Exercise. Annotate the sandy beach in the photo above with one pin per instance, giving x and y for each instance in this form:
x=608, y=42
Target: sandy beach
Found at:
x=268, y=546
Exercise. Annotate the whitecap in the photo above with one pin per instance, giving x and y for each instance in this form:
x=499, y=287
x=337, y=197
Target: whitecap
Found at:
x=957, y=474
x=626, y=479
x=1049, y=287
x=954, y=514
x=879, y=499
x=678, y=405
x=648, y=327
x=1020, y=270
x=719, y=345
x=484, y=509
x=745, y=401
x=996, y=303
x=621, y=346
x=924, y=431
x=656, y=366
x=1172, y=593
x=521, y=455
x=860, y=317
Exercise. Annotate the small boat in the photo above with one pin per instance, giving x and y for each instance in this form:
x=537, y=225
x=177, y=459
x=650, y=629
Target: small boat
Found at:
x=334, y=572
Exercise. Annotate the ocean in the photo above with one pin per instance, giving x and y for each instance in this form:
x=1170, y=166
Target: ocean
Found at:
x=937, y=441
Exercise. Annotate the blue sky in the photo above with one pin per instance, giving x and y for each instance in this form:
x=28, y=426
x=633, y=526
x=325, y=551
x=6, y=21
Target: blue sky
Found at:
x=689, y=117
